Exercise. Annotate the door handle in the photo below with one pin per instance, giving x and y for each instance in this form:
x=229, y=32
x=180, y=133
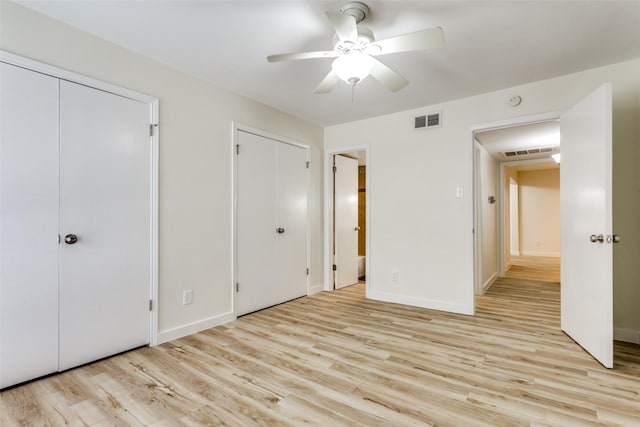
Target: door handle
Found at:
x=615, y=238
x=596, y=238
x=357, y=229
x=70, y=239
x=280, y=230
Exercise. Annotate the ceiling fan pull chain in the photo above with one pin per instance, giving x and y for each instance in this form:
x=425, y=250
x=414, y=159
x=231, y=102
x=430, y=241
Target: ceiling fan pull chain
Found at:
x=353, y=89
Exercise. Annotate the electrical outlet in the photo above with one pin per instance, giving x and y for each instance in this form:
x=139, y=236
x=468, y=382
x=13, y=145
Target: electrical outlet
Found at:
x=394, y=276
x=459, y=192
x=187, y=297
x=537, y=243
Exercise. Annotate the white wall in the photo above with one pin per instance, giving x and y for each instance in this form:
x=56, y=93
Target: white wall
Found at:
x=419, y=228
x=489, y=212
x=539, y=208
x=195, y=161
x=514, y=214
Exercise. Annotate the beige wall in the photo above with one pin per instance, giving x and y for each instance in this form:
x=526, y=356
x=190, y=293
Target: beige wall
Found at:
x=195, y=160
x=539, y=210
x=428, y=239
x=489, y=216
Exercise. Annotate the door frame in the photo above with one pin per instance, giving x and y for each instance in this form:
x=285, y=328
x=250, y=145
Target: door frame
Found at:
x=476, y=255
x=328, y=214
x=153, y=104
x=235, y=127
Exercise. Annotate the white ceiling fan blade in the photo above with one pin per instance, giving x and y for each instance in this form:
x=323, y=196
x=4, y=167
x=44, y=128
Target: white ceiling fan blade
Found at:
x=389, y=78
x=301, y=55
x=327, y=83
x=345, y=26
x=426, y=39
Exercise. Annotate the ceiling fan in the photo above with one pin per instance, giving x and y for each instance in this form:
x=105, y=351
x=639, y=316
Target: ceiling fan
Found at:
x=356, y=48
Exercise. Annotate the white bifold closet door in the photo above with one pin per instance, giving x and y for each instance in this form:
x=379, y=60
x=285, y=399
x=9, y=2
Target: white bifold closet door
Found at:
x=74, y=161
x=104, y=201
x=271, y=222
x=28, y=225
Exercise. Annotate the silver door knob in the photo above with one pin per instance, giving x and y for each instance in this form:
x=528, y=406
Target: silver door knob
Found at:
x=280, y=230
x=70, y=239
x=596, y=238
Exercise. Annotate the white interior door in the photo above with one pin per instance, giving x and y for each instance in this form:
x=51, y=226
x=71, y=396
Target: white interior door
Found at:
x=585, y=206
x=256, y=251
x=292, y=221
x=345, y=221
x=271, y=222
x=28, y=225
x=105, y=201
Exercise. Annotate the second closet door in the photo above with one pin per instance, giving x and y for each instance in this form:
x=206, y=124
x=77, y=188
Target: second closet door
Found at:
x=271, y=222
x=104, y=204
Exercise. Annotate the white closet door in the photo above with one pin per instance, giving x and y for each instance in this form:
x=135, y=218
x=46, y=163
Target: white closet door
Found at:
x=271, y=222
x=257, y=259
x=105, y=202
x=346, y=221
x=292, y=219
x=28, y=225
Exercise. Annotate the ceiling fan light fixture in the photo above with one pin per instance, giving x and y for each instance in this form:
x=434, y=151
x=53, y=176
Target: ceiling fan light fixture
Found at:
x=353, y=67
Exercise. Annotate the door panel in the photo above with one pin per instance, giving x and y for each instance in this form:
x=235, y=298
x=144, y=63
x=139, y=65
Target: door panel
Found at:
x=28, y=225
x=585, y=205
x=105, y=201
x=346, y=221
x=257, y=259
x=292, y=217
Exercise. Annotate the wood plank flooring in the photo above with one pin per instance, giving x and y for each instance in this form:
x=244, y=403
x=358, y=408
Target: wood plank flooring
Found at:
x=336, y=359
x=545, y=269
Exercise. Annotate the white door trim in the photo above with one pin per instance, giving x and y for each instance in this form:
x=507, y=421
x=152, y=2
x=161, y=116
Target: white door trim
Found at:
x=474, y=258
x=153, y=103
x=235, y=127
x=328, y=216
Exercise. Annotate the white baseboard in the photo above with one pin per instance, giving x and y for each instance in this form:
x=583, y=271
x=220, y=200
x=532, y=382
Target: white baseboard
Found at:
x=420, y=302
x=515, y=253
x=536, y=253
x=626, y=335
x=192, y=328
x=486, y=285
x=315, y=289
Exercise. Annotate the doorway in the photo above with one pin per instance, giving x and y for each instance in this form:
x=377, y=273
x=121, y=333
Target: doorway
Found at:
x=516, y=199
x=347, y=234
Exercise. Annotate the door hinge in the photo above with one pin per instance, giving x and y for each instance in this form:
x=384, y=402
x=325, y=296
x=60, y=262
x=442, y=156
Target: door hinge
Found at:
x=151, y=128
x=237, y=149
x=307, y=271
x=237, y=287
x=150, y=305
x=335, y=169
x=308, y=163
x=335, y=267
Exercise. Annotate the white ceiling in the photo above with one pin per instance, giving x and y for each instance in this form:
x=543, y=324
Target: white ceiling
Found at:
x=489, y=45
x=522, y=137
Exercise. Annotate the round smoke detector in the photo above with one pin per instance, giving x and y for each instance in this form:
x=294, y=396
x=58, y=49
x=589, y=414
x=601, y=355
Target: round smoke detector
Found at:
x=356, y=9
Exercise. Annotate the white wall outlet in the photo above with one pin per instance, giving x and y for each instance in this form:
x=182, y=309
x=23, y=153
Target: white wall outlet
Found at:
x=537, y=243
x=187, y=297
x=459, y=192
x=394, y=276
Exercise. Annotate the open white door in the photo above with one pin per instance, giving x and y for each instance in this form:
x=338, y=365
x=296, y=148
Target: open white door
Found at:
x=586, y=226
x=346, y=221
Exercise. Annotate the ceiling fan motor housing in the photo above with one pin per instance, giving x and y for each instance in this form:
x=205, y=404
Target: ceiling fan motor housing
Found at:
x=356, y=9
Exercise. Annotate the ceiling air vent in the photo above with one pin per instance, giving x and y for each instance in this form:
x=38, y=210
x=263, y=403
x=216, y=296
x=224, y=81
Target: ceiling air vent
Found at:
x=529, y=151
x=428, y=121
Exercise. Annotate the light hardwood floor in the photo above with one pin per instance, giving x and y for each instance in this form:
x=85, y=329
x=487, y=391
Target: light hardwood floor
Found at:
x=336, y=359
x=544, y=269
